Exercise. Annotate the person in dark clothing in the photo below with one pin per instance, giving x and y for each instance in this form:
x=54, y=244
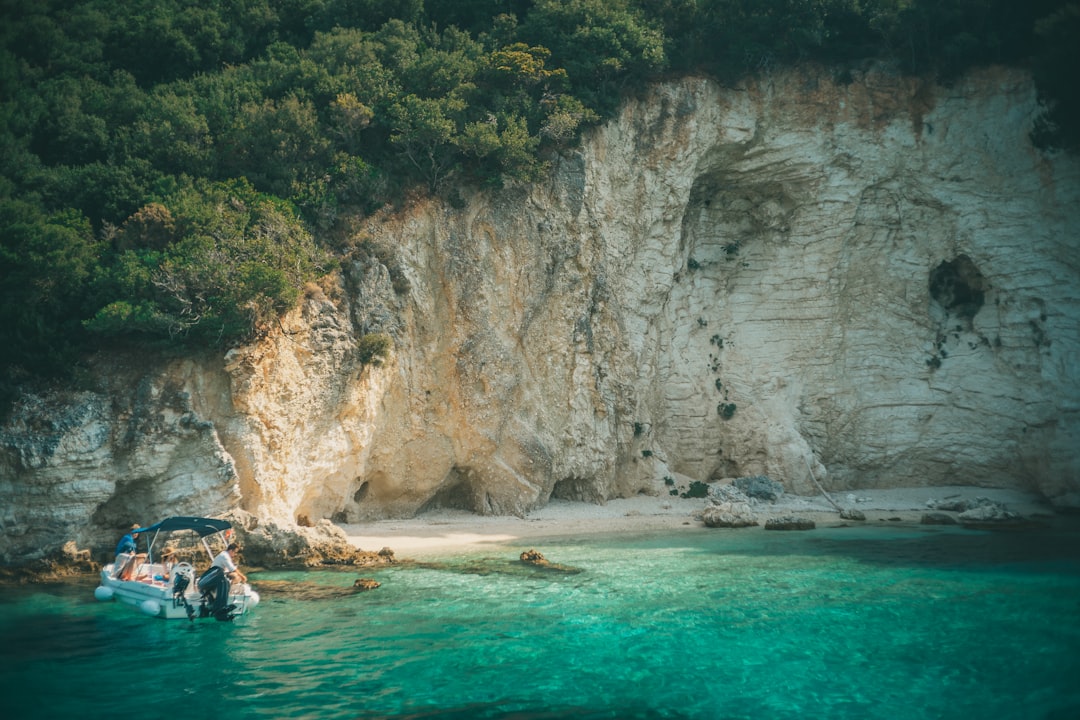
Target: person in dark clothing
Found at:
x=127, y=543
x=127, y=547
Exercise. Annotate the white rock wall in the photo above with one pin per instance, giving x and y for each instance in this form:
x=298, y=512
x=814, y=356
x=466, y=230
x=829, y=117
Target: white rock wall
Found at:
x=780, y=239
x=877, y=282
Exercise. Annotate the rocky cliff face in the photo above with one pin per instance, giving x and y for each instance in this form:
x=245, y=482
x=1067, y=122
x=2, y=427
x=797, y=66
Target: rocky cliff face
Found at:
x=864, y=285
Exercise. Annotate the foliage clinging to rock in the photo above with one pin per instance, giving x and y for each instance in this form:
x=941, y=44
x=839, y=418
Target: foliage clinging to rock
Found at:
x=165, y=163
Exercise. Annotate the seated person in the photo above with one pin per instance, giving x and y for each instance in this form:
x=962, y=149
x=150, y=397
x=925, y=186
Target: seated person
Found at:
x=168, y=560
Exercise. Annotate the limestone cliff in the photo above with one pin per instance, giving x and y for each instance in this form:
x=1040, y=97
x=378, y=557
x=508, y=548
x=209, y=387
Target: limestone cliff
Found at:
x=875, y=282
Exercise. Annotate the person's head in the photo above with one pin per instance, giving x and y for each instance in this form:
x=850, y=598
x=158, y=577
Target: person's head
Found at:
x=135, y=529
x=233, y=547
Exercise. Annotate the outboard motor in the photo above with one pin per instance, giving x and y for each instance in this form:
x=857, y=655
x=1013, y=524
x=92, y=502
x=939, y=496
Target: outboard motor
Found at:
x=180, y=584
x=214, y=585
x=181, y=581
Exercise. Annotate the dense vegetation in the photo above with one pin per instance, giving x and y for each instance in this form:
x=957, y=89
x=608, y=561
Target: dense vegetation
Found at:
x=173, y=172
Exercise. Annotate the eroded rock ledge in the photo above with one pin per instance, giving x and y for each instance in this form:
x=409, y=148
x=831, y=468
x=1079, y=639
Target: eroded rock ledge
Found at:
x=263, y=545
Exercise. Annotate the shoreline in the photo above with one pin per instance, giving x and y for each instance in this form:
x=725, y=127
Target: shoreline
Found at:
x=448, y=531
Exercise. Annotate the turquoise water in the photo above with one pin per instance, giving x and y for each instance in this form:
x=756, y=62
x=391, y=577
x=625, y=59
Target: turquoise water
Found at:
x=869, y=622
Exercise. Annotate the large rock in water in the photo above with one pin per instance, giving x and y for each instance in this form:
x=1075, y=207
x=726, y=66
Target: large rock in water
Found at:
x=870, y=281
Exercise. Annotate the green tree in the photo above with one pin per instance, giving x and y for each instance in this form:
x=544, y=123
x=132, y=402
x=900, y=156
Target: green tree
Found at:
x=276, y=144
x=48, y=261
x=502, y=148
x=172, y=134
x=232, y=262
x=424, y=131
x=602, y=44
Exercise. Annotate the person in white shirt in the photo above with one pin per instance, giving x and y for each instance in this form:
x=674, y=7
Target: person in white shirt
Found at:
x=225, y=561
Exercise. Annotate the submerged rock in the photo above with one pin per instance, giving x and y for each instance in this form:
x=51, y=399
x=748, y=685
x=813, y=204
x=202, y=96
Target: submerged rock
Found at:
x=536, y=559
x=313, y=591
x=497, y=566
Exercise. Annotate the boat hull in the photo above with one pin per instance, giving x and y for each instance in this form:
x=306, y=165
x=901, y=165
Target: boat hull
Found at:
x=155, y=597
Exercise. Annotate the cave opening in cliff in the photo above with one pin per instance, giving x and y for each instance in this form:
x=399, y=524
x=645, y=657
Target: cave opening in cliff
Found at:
x=455, y=493
x=958, y=289
x=361, y=492
x=129, y=505
x=576, y=489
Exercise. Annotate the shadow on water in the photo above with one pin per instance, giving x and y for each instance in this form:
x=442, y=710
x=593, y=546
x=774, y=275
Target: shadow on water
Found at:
x=499, y=566
x=50, y=637
x=46, y=635
x=1042, y=548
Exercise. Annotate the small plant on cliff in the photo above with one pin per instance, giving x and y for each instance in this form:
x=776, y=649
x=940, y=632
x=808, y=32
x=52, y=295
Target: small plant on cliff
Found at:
x=373, y=348
x=726, y=410
x=646, y=453
x=668, y=480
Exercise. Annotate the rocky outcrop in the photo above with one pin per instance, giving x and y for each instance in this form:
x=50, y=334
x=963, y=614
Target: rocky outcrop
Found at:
x=760, y=487
x=867, y=284
x=270, y=545
x=143, y=445
x=728, y=507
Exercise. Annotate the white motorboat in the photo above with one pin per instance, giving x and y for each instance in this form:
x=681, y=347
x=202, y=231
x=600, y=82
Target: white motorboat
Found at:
x=172, y=590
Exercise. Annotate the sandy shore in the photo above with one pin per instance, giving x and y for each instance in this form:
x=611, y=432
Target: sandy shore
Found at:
x=448, y=531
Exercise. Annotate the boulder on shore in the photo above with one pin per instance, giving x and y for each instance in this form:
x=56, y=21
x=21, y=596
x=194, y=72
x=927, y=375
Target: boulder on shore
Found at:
x=270, y=545
x=760, y=487
x=729, y=507
x=988, y=512
x=789, y=522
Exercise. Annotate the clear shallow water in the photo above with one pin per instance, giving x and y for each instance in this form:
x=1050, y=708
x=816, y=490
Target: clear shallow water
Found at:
x=836, y=623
